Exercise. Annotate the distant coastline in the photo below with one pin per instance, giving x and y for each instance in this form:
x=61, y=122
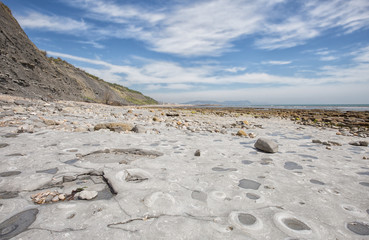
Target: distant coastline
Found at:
x=337, y=107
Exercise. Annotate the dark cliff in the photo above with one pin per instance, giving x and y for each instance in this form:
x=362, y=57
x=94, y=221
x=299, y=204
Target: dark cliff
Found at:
x=26, y=71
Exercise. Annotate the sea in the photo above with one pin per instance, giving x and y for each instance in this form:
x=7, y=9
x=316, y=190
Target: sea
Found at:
x=337, y=107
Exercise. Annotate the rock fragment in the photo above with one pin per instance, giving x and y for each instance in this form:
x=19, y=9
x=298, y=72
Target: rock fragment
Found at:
x=197, y=153
x=359, y=143
x=139, y=129
x=266, y=145
x=87, y=195
x=115, y=127
x=242, y=133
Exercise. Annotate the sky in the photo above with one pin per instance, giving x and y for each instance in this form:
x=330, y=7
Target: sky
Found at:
x=264, y=51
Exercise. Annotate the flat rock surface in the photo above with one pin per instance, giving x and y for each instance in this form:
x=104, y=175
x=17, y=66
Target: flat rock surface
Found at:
x=150, y=185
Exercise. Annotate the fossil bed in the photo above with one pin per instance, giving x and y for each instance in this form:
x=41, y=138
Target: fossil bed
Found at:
x=152, y=185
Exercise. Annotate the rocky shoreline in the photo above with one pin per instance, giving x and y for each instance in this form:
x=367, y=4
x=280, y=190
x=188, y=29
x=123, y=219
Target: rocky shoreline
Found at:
x=74, y=170
x=347, y=123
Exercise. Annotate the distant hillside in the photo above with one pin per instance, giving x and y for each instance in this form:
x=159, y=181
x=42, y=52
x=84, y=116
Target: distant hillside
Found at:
x=225, y=103
x=26, y=71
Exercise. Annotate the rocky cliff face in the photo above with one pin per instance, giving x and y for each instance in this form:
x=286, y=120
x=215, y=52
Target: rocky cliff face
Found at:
x=26, y=71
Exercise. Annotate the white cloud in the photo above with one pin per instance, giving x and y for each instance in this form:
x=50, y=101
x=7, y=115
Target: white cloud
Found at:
x=362, y=55
x=328, y=58
x=92, y=43
x=52, y=23
x=114, y=12
x=313, y=19
x=277, y=62
x=209, y=28
x=174, y=76
x=235, y=69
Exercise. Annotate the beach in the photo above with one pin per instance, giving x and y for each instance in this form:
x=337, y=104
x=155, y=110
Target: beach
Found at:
x=74, y=170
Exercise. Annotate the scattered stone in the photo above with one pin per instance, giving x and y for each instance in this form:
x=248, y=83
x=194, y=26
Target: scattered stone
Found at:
x=49, y=122
x=115, y=127
x=359, y=143
x=242, y=133
x=61, y=197
x=338, y=133
x=87, y=195
x=252, y=135
x=55, y=199
x=139, y=129
x=317, y=141
x=25, y=129
x=266, y=145
x=172, y=114
x=328, y=148
x=334, y=143
x=197, y=153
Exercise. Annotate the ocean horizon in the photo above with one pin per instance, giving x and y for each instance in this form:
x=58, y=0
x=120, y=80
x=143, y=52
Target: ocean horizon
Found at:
x=338, y=107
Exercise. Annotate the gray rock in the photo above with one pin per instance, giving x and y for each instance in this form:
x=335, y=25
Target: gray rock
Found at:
x=87, y=195
x=266, y=145
x=359, y=143
x=139, y=129
x=197, y=153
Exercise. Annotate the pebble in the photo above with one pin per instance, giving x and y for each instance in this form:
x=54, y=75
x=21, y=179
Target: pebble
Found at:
x=197, y=153
x=242, y=133
x=87, y=195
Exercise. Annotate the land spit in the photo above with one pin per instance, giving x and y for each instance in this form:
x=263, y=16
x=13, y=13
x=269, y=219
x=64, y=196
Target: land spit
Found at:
x=72, y=170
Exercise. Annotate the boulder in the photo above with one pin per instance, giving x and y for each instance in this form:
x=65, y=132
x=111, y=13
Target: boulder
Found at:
x=266, y=145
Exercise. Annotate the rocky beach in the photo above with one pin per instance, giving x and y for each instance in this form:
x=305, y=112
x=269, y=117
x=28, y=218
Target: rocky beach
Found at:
x=75, y=170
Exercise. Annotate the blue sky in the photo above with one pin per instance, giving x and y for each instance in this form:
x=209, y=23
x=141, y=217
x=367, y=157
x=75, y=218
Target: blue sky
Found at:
x=265, y=51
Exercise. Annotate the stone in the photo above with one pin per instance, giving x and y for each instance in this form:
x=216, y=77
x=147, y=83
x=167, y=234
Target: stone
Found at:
x=61, y=197
x=115, y=127
x=197, y=153
x=317, y=141
x=87, y=195
x=334, y=143
x=359, y=143
x=139, y=129
x=55, y=199
x=266, y=145
x=25, y=129
x=252, y=135
x=172, y=114
x=242, y=133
